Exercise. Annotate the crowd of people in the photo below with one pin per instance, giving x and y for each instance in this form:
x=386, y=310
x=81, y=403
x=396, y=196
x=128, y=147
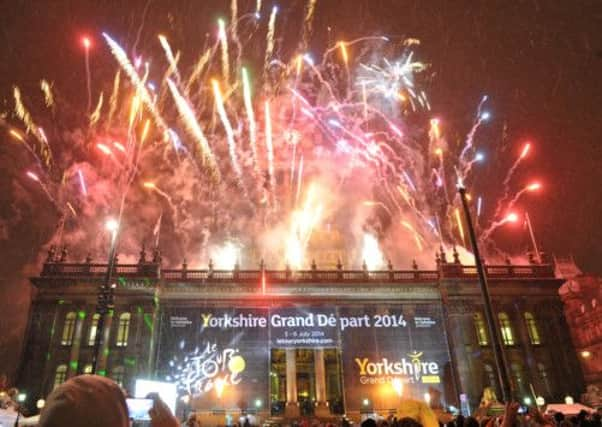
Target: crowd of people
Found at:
x=95, y=401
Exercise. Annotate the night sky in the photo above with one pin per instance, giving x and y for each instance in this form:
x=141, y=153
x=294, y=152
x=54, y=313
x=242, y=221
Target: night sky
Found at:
x=540, y=63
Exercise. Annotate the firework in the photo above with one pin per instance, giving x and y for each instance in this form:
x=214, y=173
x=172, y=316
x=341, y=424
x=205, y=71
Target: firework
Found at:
x=87, y=43
x=195, y=130
x=48, y=96
x=82, y=182
x=219, y=103
x=270, y=39
x=223, y=42
x=338, y=139
x=251, y=119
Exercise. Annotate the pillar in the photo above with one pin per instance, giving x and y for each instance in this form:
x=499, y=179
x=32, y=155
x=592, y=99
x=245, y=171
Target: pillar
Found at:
x=525, y=344
x=53, y=343
x=320, y=380
x=292, y=405
x=104, y=348
x=136, y=348
x=154, y=330
x=451, y=345
x=76, y=344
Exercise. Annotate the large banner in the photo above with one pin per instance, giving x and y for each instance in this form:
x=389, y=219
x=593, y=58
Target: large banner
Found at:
x=219, y=357
x=391, y=350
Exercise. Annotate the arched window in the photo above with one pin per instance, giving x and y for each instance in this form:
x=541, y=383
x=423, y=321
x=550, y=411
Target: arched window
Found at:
x=506, y=329
x=480, y=329
x=87, y=368
x=60, y=375
x=68, y=329
x=532, y=329
x=123, y=330
x=117, y=374
x=93, y=329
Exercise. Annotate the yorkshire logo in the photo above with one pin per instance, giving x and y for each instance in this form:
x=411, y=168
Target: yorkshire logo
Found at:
x=412, y=367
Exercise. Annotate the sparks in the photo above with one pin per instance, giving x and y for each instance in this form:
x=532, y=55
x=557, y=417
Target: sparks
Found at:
x=32, y=176
x=82, y=182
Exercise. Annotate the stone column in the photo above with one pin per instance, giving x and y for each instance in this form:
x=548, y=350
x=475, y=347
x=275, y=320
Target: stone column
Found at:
x=53, y=343
x=525, y=344
x=154, y=337
x=458, y=325
x=320, y=373
x=77, y=340
x=136, y=348
x=104, y=348
x=451, y=345
x=292, y=405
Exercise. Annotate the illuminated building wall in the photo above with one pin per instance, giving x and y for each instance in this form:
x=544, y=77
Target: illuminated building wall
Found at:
x=224, y=337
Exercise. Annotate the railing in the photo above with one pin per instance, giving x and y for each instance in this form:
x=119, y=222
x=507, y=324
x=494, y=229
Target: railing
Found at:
x=153, y=270
x=99, y=270
x=282, y=276
x=535, y=271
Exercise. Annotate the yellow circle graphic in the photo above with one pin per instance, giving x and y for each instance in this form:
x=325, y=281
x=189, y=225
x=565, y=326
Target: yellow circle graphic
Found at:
x=237, y=364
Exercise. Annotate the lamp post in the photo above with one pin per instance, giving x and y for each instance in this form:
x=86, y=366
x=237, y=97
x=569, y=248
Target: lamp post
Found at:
x=533, y=241
x=498, y=353
x=105, y=295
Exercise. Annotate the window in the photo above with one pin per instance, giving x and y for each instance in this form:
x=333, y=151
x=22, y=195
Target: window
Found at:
x=60, y=375
x=93, y=328
x=545, y=379
x=123, y=330
x=87, y=368
x=489, y=379
x=480, y=329
x=517, y=377
x=532, y=329
x=68, y=328
x=117, y=375
x=506, y=329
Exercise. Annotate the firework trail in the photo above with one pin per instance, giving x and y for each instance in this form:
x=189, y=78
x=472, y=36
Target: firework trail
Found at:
x=308, y=23
x=219, y=102
x=36, y=178
x=198, y=68
x=270, y=41
x=173, y=62
x=195, y=131
x=86, y=42
x=480, y=117
x=30, y=127
x=82, y=182
x=48, y=96
x=141, y=90
x=223, y=41
x=114, y=97
x=506, y=186
x=95, y=116
x=251, y=119
x=269, y=146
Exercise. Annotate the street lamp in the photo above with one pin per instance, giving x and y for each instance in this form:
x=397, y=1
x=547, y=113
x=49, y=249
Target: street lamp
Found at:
x=105, y=294
x=533, y=241
x=498, y=354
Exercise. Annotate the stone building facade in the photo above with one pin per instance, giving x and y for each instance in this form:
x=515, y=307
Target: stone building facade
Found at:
x=582, y=298
x=430, y=318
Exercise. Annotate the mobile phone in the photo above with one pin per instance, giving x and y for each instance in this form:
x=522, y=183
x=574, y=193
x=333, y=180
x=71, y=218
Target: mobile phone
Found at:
x=138, y=408
x=523, y=409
